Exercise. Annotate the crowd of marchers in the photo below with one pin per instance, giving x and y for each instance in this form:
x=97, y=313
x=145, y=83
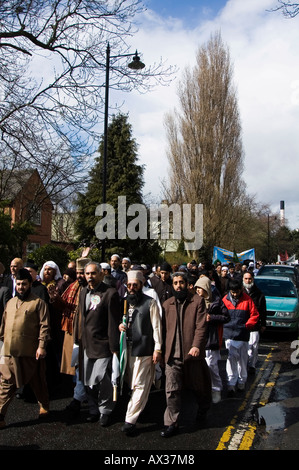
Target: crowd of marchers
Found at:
x=116, y=323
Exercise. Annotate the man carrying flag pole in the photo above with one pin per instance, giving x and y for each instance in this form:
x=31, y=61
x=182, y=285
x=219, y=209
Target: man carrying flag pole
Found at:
x=142, y=328
x=123, y=348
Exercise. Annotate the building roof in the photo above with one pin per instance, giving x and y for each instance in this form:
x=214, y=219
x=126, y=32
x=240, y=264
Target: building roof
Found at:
x=13, y=181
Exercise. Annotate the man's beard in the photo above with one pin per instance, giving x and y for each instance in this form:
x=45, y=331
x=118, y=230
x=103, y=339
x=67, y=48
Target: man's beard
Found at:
x=82, y=281
x=23, y=296
x=134, y=299
x=181, y=295
x=248, y=287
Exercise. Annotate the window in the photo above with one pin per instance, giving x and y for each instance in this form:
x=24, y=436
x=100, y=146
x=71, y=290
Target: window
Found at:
x=35, y=214
x=32, y=247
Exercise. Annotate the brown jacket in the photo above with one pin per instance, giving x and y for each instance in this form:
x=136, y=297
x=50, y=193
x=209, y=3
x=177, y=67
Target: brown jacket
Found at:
x=26, y=328
x=194, y=326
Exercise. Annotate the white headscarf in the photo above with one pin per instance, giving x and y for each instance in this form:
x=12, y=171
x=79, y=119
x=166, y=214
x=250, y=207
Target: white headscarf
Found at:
x=53, y=265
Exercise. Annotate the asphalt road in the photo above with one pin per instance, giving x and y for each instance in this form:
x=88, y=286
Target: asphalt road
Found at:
x=263, y=417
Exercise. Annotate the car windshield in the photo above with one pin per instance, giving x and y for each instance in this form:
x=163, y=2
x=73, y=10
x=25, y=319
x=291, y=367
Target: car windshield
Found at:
x=276, y=271
x=273, y=288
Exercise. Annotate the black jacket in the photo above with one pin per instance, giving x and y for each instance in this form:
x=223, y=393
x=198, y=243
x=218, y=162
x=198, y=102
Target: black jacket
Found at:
x=163, y=289
x=5, y=295
x=218, y=317
x=100, y=321
x=8, y=282
x=260, y=302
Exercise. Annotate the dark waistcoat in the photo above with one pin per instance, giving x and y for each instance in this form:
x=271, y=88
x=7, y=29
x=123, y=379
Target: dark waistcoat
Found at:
x=141, y=329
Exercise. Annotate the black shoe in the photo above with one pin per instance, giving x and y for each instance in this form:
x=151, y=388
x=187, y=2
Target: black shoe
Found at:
x=74, y=406
x=170, y=431
x=128, y=428
x=104, y=420
x=201, y=415
x=92, y=418
x=2, y=422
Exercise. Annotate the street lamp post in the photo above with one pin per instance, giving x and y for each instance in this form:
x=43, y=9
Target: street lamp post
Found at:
x=136, y=64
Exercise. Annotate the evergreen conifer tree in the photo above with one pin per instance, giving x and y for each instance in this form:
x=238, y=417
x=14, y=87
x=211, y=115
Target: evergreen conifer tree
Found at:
x=124, y=178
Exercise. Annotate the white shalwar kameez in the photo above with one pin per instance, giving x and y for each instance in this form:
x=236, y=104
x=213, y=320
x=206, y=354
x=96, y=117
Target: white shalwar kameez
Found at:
x=141, y=370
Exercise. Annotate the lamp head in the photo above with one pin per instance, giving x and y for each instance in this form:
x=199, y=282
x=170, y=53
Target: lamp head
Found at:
x=136, y=63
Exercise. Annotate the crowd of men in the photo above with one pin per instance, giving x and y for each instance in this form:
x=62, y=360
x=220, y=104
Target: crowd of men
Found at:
x=120, y=322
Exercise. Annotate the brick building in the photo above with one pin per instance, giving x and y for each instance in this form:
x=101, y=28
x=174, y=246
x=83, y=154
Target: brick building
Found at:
x=27, y=200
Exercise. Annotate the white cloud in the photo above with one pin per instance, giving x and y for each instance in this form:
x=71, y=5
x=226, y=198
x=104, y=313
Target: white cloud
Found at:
x=264, y=51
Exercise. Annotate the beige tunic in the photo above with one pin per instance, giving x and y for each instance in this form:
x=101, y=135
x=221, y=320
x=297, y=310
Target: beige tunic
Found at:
x=25, y=326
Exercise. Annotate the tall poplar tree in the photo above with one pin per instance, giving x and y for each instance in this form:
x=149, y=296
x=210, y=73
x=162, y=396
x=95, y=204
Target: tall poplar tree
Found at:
x=204, y=143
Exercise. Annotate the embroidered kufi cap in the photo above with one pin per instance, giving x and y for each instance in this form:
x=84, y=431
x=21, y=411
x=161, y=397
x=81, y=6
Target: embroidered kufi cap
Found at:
x=81, y=263
x=133, y=275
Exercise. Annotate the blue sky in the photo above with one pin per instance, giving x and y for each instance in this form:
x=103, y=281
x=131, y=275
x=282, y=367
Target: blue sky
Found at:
x=264, y=53
x=189, y=11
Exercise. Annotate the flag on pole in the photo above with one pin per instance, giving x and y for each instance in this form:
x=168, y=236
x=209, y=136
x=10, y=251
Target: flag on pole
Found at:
x=225, y=256
x=283, y=256
x=115, y=375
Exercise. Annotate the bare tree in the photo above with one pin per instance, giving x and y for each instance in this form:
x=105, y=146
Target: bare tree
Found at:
x=288, y=8
x=52, y=82
x=205, y=148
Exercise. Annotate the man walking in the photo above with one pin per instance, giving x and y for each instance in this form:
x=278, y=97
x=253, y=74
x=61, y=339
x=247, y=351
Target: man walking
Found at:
x=260, y=302
x=99, y=311
x=10, y=280
x=69, y=362
x=244, y=317
x=162, y=283
x=25, y=332
x=116, y=271
x=144, y=339
x=184, y=341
